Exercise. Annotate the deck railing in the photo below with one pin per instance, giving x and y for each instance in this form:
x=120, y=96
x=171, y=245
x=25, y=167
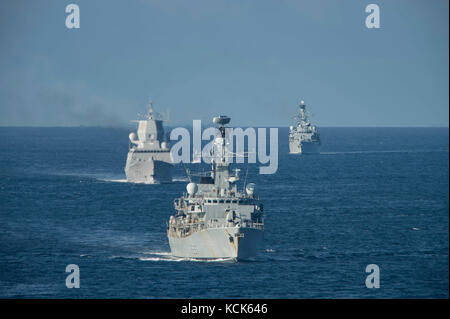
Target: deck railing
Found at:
x=184, y=230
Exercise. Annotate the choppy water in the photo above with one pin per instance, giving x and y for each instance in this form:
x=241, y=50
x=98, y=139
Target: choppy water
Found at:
x=373, y=196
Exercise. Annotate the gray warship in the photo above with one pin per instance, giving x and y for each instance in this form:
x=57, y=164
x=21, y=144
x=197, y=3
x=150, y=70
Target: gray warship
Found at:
x=214, y=219
x=149, y=159
x=303, y=138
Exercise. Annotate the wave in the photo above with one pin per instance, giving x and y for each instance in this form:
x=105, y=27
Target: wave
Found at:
x=114, y=180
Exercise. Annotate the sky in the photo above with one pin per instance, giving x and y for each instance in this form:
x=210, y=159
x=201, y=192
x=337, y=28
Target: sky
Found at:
x=252, y=60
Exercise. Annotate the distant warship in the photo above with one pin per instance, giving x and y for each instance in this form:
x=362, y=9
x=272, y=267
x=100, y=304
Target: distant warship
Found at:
x=149, y=159
x=304, y=138
x=214, y=219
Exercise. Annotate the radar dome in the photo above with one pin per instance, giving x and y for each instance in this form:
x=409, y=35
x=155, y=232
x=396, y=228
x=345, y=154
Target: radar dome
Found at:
x=192, y=188
x=221, y=120
x=250, y=189
x=132, y=137
x=230, y=216
x=164, y=145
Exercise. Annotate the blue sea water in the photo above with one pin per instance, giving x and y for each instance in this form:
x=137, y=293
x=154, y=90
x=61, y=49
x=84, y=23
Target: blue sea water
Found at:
x=373, y=196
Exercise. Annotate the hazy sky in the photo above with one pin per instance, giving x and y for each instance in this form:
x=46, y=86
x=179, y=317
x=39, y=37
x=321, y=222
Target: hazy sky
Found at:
x=251, y=60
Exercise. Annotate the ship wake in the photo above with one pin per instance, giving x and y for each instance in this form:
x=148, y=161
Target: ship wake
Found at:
x=167, y=256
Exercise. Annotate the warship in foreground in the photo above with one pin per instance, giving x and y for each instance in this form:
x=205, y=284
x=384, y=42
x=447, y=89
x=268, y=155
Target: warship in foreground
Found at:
x=214, y=219
x=149, y=159
x=304, y=138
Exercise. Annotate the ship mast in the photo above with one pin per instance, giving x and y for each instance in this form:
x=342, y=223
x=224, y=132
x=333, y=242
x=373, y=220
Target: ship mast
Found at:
x=220, y=167
x=303, y=116
x=150, y=110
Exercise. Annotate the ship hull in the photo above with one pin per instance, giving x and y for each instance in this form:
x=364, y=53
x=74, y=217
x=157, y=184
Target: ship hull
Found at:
x=141, y=168
x=224, y=242
x=304, y=147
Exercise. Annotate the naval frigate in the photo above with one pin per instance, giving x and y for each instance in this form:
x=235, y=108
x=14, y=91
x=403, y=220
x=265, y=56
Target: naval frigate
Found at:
x=149, y=159
x=303, y=138
x=214, y=219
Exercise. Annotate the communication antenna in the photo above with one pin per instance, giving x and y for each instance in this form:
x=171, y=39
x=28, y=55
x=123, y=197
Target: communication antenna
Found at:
x=188, y=172
x=245, y=180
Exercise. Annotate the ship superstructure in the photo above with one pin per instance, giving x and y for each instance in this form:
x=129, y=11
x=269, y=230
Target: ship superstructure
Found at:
x=149, y=159
x=304, y=138
x=214, y=219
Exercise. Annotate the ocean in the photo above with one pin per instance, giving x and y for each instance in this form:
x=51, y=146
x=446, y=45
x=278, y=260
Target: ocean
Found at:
x=372, y=196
